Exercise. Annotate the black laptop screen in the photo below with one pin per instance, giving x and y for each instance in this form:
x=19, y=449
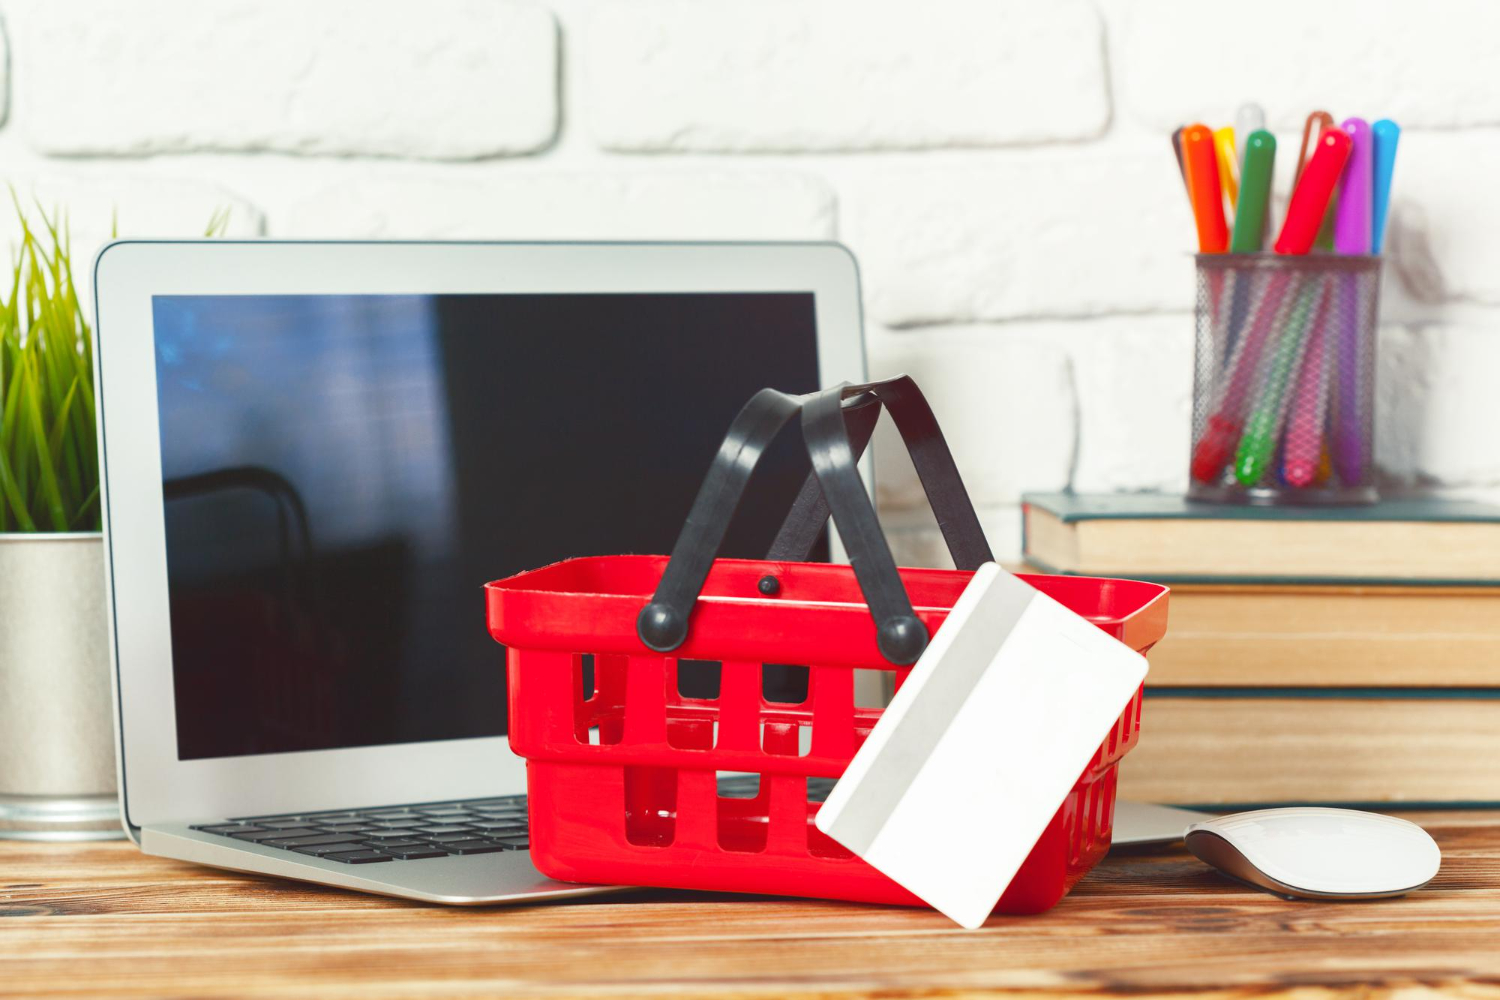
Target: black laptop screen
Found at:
x=342, y=474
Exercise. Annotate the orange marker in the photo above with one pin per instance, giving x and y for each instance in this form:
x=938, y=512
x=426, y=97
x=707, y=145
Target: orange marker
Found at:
x=1200, y=161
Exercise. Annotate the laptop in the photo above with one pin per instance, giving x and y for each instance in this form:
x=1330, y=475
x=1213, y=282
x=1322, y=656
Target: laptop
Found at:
x=314, y=456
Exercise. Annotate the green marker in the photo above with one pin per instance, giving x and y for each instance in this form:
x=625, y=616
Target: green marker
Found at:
x=1258, y=446
x=1325, y=233
x=1255, y=193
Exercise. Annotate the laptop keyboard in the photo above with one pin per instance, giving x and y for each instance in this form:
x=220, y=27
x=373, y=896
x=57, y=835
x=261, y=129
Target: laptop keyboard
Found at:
x=418, y=832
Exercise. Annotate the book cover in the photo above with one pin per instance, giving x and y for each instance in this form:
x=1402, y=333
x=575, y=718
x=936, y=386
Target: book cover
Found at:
x=1169, y=539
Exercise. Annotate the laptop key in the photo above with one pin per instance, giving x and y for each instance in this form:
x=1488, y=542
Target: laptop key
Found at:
x=359, y=857
x=391, y=845
x=452, y=835
x=428, y=831
x=498, y=824
x=417, y=853
x=274, y=834
x=392, y=834
x=347, y=827
x=472, y=847
x=228, y=828
x=377, y=814
x=510, y=843
x=287, y=824
x=321, y=850
x=313, y=841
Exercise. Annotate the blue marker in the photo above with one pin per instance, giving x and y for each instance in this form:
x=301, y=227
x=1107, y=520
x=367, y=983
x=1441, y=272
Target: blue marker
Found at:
x=1386, y=134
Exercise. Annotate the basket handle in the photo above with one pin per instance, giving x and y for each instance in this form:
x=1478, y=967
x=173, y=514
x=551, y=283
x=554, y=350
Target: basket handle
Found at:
x=934, y=464
x=900, y=635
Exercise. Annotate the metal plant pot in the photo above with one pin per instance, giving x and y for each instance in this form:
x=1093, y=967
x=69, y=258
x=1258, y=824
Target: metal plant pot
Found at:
x=57, y=754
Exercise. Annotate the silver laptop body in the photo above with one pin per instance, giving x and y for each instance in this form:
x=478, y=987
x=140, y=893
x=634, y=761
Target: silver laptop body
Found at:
x=315, y=453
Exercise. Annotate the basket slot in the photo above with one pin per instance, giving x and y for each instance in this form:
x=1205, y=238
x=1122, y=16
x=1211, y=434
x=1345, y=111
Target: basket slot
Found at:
x=695, y=681
x=782, y=738
x=869, y=688
x=1104, y=823
x=650, y=806
x=833, y=712
x=646, y=700
x=690, y=734
x=783, y=684
x=697, y=810
x=743, y=821
x=739, y=706
x=1075, y=817
x=600, y=717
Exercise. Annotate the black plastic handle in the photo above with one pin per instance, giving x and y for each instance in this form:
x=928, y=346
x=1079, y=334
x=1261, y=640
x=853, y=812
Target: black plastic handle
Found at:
x=662, y=624
x=934, y=464
x=834, y=487
x=804, y=522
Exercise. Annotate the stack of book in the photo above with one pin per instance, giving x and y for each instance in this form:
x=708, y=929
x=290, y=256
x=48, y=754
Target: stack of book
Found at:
x=1320, y=655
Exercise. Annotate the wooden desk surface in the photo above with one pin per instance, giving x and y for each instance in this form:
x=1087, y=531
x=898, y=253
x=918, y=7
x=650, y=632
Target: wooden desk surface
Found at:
x=105, y=920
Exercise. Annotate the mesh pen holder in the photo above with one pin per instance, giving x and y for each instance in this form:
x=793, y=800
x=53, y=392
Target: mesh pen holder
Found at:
x=1284, y=380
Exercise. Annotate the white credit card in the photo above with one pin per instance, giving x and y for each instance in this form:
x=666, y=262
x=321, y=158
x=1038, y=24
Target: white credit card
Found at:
x=981, y=745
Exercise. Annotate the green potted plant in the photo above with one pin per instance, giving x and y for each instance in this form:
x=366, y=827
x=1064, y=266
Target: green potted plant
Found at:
x=57, y=768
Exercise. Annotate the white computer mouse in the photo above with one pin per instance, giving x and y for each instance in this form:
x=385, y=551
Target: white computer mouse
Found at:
x=1313, y=853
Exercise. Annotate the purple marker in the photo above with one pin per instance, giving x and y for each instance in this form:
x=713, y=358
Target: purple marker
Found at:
x=1351, y=226
x=1352, y=230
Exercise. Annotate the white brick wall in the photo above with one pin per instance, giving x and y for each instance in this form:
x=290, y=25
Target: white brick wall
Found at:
x=1418, y=63
x=1439, y=404
x=1054, y=232
x=445, y=79
x=1001, y=168
x=557, y=204
x=848, y=74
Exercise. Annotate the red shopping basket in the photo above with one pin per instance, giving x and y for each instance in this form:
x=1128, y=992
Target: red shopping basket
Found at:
x=622, y=778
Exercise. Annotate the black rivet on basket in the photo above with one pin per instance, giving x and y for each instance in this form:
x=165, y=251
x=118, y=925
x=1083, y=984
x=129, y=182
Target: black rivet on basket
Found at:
x=660, y=627
x=769, y=585
x=901, y=640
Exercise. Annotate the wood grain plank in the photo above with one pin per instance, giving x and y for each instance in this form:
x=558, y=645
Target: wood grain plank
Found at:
x=105, y=920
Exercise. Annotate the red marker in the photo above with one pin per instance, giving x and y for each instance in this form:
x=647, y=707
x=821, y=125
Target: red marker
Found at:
x=1304, y=215
x=1202, y=166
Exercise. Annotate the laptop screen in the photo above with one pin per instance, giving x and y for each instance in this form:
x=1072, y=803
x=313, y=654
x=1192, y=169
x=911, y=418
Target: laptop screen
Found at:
x=343, y=473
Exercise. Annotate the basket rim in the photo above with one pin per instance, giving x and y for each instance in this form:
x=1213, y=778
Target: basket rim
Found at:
x=541, y=582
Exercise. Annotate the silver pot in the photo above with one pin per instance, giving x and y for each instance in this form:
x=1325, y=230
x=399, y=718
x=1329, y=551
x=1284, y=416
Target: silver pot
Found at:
x=57, y=744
